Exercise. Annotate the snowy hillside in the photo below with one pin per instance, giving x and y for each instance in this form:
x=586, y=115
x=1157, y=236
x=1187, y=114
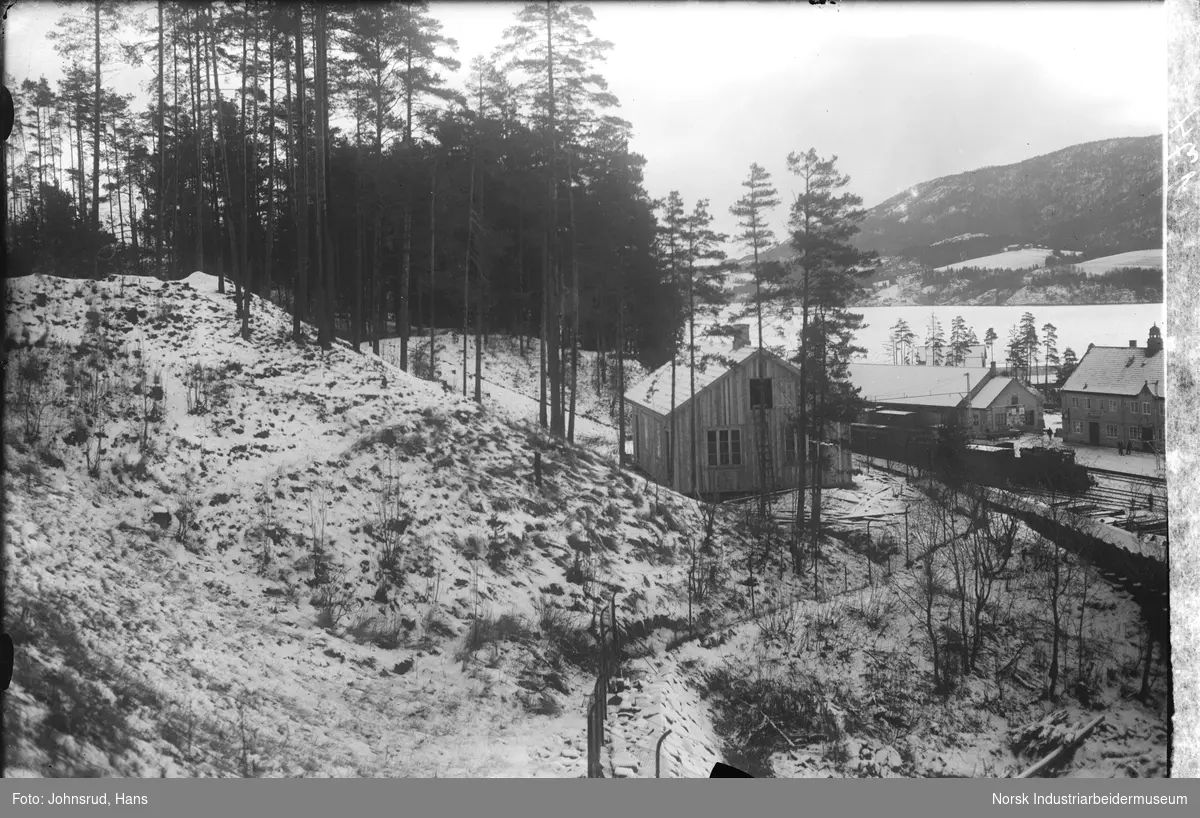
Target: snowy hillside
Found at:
x=234, y=557
x=171, y=592
x=510, y=379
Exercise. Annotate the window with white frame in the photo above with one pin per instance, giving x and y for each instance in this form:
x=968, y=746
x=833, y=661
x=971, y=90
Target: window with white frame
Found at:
x=1111, y=431
x=1077, y=427
x=1145, y=407
x=725, y=447
x=1074, y=403
x=790, y=438
x=1089, y=402
x=1112, y=405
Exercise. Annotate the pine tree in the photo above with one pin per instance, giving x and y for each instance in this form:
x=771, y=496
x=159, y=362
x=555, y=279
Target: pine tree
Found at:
x=958, y=341
x=673, y=225
x=935, y=341
x=823, y=224
x=1069, y=362
x=554, y=53
x=751, y=210
x=989, y=340
x=1050, y=343
x=703, y=258
x=1029, y=341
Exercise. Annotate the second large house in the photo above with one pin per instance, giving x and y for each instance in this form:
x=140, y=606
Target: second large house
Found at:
x=1115, y=395
x=742, y=418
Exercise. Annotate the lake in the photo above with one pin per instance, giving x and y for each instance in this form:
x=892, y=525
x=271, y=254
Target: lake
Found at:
x=1076, y=325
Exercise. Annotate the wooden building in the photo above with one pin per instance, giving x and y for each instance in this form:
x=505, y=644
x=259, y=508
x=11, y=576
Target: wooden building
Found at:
x=1116, y=395
x=1003, y=405
x=737, y=436
x=923, y=397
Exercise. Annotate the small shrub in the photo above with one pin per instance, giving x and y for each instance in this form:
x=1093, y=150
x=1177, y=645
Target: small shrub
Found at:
x=544, y=703
x=335, y=600
x=187, y=507
x=436, y=625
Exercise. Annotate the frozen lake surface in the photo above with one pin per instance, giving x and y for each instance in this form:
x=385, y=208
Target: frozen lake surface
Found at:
x=1076, y=325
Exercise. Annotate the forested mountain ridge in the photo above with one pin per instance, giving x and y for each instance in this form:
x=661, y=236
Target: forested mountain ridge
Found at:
x=1100, y=198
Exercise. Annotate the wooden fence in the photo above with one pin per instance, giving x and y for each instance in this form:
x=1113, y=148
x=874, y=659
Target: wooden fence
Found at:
x=609, y=657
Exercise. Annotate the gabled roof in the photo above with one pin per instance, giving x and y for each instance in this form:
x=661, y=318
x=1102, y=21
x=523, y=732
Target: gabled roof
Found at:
x=992, y=389
x=1118, y=371
x=654, y=392
x=915, y=385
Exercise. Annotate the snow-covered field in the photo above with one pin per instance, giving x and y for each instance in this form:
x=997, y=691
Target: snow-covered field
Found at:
x=1152, y=259
x=1029, y=258
x=236, y=557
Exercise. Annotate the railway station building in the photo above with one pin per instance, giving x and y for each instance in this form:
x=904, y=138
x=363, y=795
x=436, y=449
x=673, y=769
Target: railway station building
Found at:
x=1115, y=396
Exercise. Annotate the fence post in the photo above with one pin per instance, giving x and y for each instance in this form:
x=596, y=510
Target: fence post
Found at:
x=658, y=753
x=593, y=755
x=615, y=638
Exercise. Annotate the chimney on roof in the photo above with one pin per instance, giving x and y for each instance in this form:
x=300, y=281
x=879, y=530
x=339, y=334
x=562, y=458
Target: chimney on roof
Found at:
x=741, y=336
x=1132, y=343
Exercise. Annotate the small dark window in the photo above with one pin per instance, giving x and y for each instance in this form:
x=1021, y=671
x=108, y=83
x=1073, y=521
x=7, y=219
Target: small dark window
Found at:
x=1012, y=401
x=760, y=393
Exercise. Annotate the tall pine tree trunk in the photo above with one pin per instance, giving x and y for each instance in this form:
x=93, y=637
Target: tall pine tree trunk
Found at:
x=621, y=369
x=196, y=102
x=467, y=272
x=300, y=185
x=162, y=153
x=802, y=433
x=230, y=219
x=96, y=153
x=242, y=280
x=480, y=308
x=214, y=121
x=269, y=250
x=544, y=341
x=324, y=293
x=554, y=326
x=693, y=471
x=251, y=197
x=432, y=266
x=574, y=302
x=360, y=231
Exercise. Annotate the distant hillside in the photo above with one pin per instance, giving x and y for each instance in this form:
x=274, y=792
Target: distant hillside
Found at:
x=1099, y=198
x=1096, y=199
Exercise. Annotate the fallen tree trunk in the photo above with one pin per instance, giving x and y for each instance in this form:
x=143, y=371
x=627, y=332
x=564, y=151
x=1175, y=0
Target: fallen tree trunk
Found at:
x=1064, y=750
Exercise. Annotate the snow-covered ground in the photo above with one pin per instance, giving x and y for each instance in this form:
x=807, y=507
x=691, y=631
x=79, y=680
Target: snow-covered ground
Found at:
x=510, y=379
x=1029, y=258
x=1138, y=258
x=196, y=534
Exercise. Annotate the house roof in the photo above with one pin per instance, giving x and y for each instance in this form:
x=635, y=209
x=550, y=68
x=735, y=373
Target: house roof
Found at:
x=991, y=390
x=1117, y=371
x=713, y=361
x=915, y=385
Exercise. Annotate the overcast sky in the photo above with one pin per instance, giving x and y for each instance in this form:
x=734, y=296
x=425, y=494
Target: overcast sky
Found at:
x=902, y=93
